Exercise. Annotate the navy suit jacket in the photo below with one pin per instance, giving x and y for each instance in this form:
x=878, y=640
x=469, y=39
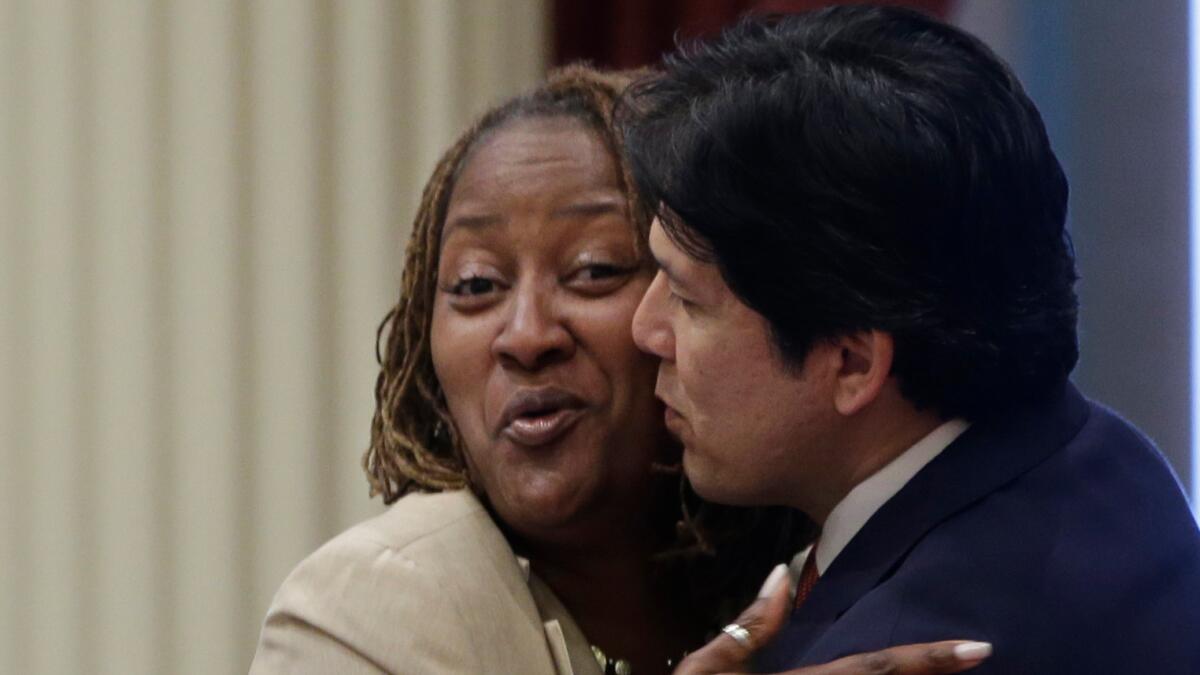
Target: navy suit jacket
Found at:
x=1060, y=535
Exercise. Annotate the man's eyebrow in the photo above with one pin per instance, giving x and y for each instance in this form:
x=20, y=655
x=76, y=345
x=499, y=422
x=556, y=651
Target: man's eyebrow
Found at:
x=666, y=268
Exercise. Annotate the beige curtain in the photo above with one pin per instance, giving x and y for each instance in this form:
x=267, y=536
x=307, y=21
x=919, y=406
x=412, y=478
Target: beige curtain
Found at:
x=202, y=209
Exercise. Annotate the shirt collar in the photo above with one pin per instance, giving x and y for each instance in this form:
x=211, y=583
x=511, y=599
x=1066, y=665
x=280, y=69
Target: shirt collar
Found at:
x=857, y=507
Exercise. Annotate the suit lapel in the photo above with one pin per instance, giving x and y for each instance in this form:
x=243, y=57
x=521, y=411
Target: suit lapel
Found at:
x=558, y=647
x=571, y=650
x=510, y=602
x=986, y=457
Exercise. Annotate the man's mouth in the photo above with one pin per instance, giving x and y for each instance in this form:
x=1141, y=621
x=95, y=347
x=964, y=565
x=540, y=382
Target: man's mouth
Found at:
x=672, y=419
x=535, y=417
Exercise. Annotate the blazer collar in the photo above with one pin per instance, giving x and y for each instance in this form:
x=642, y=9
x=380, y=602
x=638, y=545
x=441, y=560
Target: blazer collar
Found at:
x=985, y=457
x=571, y=651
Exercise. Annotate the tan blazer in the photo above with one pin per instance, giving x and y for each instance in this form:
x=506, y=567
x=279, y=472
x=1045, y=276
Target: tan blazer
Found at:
x=430, y=586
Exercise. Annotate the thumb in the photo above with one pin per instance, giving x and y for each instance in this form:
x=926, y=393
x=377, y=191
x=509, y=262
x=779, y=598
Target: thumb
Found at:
x=761, y=620
x=771, y=610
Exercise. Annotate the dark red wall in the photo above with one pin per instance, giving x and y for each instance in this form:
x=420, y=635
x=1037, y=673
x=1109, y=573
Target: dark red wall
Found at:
x=630, y=33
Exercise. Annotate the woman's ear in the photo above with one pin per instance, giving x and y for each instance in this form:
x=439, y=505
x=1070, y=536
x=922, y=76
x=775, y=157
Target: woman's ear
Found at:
x=866, y=363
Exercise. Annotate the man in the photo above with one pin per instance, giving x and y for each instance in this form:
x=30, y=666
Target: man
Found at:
x=865, y=310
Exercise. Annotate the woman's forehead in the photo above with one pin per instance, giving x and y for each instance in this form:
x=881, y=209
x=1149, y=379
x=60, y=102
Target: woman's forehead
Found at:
x=535, y=165
x=538, y=125
x=523, y=147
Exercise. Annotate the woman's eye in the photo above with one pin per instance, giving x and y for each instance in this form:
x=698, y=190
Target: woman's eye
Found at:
x=599, y=278
x=602, y=271
x=473, y=286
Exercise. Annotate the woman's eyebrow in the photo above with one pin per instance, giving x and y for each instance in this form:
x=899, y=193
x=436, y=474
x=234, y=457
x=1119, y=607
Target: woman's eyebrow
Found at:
x=472, y=221
x=597, y=207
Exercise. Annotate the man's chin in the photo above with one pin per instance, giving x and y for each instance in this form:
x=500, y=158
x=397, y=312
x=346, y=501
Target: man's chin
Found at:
x=706, y=481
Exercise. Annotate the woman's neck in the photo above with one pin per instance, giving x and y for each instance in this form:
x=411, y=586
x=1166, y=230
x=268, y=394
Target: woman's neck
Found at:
x=612, y=593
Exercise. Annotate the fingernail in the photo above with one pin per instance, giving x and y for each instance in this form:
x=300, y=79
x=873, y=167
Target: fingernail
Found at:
x=973, y=651
x=777, y=575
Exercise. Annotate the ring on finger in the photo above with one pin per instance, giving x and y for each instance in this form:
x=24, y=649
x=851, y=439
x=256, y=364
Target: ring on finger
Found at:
x=738, y=633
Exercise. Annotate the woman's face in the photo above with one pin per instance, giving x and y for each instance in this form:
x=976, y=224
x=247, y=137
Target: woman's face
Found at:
x=538, y=280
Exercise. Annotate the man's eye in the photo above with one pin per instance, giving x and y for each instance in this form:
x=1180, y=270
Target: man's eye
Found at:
x=683, y=302
x=473, y=286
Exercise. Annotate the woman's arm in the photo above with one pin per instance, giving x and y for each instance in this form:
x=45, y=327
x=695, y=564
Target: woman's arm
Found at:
x=766, y=615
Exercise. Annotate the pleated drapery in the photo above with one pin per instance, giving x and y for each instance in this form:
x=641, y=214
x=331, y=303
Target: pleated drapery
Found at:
x=203, y=205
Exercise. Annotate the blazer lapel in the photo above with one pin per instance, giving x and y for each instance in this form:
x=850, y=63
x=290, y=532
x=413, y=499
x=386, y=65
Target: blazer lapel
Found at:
x=987, y=456
x=571, y=650
x=511, y=601
x=558, y=647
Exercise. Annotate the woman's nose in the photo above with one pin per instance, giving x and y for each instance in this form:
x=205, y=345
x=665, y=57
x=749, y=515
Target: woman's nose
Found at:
x=535, y=334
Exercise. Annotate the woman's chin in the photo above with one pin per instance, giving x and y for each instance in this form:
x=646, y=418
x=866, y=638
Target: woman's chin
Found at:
x=543, y=509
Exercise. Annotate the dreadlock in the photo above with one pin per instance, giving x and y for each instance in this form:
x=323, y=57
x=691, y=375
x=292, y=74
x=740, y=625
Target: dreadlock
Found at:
x=415, y=446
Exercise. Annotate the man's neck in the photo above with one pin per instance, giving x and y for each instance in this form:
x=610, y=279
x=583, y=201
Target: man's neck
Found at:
x=871, y=444
x=853, y=512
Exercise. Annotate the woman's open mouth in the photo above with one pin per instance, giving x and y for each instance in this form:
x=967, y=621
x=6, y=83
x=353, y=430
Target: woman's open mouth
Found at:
x=539, y=416
x=542, y=427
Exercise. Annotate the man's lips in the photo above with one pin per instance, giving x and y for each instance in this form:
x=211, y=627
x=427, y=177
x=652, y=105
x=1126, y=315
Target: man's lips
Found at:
x=672, y=419
x=537, y=416
x=658, y=393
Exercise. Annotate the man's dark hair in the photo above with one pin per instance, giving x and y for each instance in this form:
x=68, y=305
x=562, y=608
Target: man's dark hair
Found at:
x=863, y=168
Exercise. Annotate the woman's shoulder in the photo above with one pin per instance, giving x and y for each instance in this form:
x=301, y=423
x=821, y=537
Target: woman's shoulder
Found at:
x=416, y=518
x=421, y=537
x=411, y=582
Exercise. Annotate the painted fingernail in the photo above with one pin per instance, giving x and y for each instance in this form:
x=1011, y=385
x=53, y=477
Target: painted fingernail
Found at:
x=973, y=651
x=777, y=575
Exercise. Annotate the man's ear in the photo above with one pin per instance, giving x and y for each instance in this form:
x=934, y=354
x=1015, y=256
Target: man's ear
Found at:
x=866, y=363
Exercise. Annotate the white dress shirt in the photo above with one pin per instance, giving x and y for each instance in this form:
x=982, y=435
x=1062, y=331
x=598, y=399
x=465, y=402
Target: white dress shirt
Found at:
x=857, y=507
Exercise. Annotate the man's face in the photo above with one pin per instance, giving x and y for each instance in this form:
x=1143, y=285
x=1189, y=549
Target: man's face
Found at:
x=754, y=429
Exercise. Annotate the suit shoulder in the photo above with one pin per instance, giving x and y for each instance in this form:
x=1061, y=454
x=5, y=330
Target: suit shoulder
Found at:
x=418, y=516
x=419, y=538
x=393, y=588
x=1106, y=424
x=396, y=547
x=1112, y=458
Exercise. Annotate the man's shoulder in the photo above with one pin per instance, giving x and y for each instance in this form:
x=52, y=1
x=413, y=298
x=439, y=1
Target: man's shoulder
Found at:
x=1108, y=483
x=1077, y=515
x=1108, y=429
x=1104, y=477
x=1094, y=544
x=1106, y=574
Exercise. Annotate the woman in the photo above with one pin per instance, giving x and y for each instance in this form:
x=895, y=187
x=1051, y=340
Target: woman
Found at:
x=518, y=440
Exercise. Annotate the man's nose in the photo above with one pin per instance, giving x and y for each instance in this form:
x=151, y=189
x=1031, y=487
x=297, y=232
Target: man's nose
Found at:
x=535, y=334
x=651, y=331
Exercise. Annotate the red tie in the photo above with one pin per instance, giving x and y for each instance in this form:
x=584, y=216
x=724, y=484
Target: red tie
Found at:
x=808, y=578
